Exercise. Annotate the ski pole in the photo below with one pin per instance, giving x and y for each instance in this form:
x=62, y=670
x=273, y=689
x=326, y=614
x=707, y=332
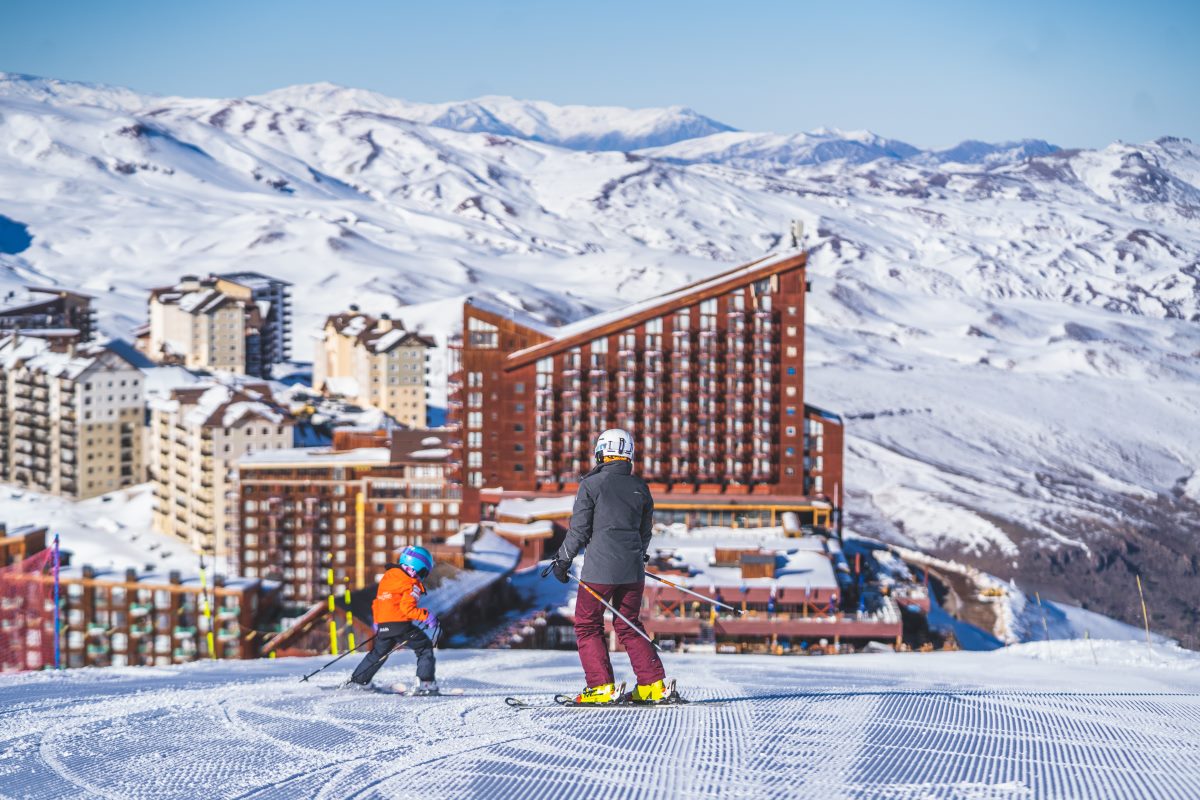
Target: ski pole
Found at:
x=686, y=590
x=607, y=605
x=339, y=658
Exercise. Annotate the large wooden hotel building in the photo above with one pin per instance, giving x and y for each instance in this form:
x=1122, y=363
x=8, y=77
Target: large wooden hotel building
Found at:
x=709, y=378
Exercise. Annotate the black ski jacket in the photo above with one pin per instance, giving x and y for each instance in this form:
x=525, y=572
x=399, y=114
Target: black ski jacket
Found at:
x=612, y=518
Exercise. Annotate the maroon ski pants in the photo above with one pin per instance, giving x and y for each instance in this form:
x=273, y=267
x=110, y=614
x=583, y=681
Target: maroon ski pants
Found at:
x=589, y=633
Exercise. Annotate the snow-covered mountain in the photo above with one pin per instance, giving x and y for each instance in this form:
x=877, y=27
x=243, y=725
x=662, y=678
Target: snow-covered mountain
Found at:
x=572, y=126
x=1010, y=330
x=771, y=151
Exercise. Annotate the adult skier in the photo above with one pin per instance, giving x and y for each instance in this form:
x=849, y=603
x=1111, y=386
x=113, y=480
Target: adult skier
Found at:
x=612, y=518
x=400, y=621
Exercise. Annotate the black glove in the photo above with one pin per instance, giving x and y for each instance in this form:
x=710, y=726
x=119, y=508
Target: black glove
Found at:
x=561, y=570
x=646, y=558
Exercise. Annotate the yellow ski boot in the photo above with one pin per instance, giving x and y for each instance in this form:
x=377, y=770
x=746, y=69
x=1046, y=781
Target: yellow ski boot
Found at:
x=657, y=693
x=604, y=693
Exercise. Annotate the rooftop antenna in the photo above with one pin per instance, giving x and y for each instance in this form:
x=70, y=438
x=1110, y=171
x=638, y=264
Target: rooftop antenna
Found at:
x=797, y=233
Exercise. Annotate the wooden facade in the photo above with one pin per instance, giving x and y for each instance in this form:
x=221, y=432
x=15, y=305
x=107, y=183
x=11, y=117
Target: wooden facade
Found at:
x=709, y=379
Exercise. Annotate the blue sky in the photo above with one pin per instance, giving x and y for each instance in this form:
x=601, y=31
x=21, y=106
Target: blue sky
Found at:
x=933, y=73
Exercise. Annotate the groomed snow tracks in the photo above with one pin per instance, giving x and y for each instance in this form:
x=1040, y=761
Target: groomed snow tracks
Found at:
x=854, y=727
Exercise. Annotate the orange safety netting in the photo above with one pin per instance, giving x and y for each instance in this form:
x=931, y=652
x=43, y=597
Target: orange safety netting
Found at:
x=27, y=614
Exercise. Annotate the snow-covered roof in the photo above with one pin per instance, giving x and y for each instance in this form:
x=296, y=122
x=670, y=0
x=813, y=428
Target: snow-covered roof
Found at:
x=19, y=300
x=315, y=457
x=344, y=386
x=252, y=280
x=800, y=562
x=161, y=381
x=37, y=354
x=522, y=510
x=225, y=407
x=202, y=302
x=541, y=529
x=488, y=560
x=522, y=318
x=600, y=320
x=431, y=454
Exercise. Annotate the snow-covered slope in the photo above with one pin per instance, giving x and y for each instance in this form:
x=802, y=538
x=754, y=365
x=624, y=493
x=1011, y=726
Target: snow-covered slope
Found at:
x=1030, y=722
x=1013, y=342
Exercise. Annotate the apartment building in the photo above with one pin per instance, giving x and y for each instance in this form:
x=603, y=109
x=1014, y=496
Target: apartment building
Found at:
x=37, y=308
x=375, y=362
x=239, y=323
x=274, y=300
x=71, y=417
x=708, y=378
x=349, y=507
x=197, y=435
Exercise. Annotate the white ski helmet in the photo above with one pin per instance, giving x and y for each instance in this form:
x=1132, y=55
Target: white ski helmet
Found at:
x=614, y=442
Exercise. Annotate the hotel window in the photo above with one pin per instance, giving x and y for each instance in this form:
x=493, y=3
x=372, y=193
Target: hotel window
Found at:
x=599, y=354
x=482, y=335
x=654, y=329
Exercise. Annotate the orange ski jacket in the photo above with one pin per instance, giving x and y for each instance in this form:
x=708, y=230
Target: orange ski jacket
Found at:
x=396, y=598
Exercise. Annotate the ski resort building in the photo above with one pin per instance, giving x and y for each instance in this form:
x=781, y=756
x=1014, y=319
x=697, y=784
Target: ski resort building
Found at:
x=790, y=592
x=346, y=508
x=197, y=435
x=71, y=417
x=273, y=299
x=240, y=323
x=377, y=363
x=122, y=617
x=48, y=309
x=709, y=379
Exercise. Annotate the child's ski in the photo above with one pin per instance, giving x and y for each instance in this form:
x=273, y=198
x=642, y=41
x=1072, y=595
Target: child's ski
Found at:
x=404, y=691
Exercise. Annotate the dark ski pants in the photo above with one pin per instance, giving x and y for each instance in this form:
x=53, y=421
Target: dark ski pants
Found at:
x=392, y=635
x=589, y=633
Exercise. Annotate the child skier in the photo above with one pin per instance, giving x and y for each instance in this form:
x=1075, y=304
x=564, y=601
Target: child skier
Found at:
x=612, y=517
x=400, y=621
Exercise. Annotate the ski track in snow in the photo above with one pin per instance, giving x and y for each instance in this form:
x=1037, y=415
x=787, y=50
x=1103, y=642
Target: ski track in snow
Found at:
x=974, y=725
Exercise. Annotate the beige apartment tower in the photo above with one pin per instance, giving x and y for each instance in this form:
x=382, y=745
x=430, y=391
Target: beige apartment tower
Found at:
x=198, y=433
x=70, y=416
x=375, y=362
